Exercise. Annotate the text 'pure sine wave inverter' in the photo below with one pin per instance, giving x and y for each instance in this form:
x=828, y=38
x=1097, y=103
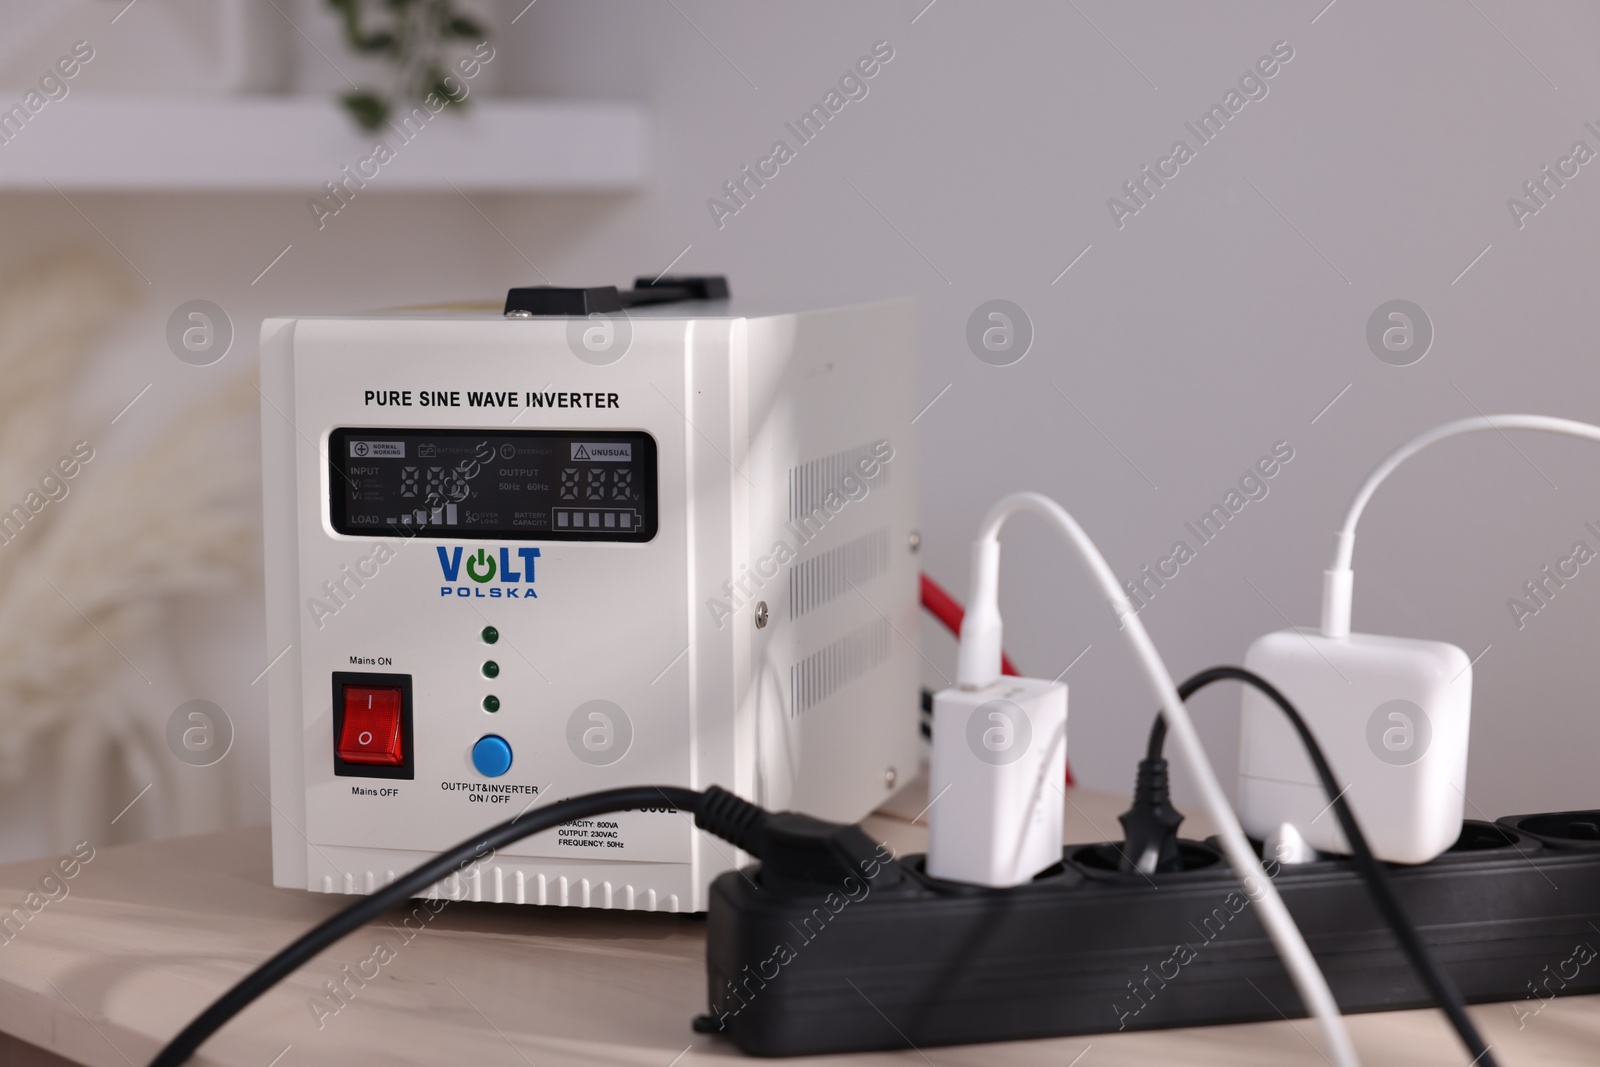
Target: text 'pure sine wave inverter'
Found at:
x=599, y=539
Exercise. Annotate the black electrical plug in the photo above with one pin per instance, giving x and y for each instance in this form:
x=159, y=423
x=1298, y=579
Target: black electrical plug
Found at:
x=1150, y=827
x=799, y=854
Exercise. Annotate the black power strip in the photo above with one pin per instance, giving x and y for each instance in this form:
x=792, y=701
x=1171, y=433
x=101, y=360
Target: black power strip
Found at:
x=897, y=958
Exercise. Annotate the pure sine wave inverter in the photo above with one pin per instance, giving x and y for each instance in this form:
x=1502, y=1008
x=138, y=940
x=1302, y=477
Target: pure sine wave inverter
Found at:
x=598, y=539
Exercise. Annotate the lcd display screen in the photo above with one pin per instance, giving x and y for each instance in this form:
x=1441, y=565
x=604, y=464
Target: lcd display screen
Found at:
x=536, y=485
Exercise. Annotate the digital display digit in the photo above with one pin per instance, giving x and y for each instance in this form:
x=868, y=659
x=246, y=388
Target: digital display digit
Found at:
x=536, y=485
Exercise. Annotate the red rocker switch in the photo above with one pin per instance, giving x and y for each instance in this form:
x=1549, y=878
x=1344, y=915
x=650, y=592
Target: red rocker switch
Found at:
x=371, y=728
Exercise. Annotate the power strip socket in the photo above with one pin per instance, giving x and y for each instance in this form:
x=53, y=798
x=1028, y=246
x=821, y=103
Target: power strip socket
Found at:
x=1085, y=948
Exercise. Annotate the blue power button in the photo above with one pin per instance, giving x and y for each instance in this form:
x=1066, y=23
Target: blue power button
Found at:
x=491, y=756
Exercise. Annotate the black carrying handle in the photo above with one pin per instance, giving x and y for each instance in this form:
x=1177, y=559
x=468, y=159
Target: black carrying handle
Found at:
x=549, y=300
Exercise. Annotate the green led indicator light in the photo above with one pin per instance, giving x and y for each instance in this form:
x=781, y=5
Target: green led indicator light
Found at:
x=491, y=703
x=490, y=635
x=491, y=669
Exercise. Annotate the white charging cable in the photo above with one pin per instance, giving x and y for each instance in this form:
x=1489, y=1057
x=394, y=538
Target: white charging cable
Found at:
x=979, y=665
x=1338, y=581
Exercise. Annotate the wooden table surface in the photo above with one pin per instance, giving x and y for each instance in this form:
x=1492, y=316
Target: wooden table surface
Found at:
x=147, y=935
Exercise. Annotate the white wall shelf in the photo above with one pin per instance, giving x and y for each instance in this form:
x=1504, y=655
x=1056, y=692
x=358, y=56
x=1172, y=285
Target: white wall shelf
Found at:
x=174, y=143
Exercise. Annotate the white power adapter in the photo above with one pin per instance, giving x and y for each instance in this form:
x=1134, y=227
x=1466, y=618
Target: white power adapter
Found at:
x=994, y=781
x=1391, y=714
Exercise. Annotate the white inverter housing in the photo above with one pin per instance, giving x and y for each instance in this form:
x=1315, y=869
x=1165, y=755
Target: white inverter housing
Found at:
x=517, y=557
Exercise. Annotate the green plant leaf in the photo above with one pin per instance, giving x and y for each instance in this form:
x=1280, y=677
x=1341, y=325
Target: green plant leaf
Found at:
x=413, y=43
x=368, y=108
x=377, y=41
x=445, y=94
x=349, y=13
x=355, y=37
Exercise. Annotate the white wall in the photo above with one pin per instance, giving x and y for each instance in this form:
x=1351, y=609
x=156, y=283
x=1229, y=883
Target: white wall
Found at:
x=1206, y=329
x=1199, y=335
x=1178, y=350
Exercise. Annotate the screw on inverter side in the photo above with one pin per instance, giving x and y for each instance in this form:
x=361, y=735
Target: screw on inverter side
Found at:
x=914, y=542
x=762, y=615
x=890, y=777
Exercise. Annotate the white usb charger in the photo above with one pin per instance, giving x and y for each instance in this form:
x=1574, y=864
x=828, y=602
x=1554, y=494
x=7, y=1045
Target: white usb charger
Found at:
x=999, y=758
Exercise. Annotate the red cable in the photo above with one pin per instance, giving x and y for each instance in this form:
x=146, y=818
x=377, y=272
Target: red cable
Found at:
x=948, y=610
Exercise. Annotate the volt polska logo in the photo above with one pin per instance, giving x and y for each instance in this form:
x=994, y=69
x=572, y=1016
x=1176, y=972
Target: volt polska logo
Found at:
x=484, y=573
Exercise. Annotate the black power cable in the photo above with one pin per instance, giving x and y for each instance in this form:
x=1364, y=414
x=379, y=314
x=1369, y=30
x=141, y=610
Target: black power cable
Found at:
x=797, y=850
x=1149, y=817
x=716, y=810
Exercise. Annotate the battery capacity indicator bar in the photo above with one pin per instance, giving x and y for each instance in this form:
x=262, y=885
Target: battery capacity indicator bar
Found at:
x=597, y=519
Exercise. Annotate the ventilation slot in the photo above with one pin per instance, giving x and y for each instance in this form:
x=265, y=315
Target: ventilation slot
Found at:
x=810, y=483
x=821, y=578
x=828, y=670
